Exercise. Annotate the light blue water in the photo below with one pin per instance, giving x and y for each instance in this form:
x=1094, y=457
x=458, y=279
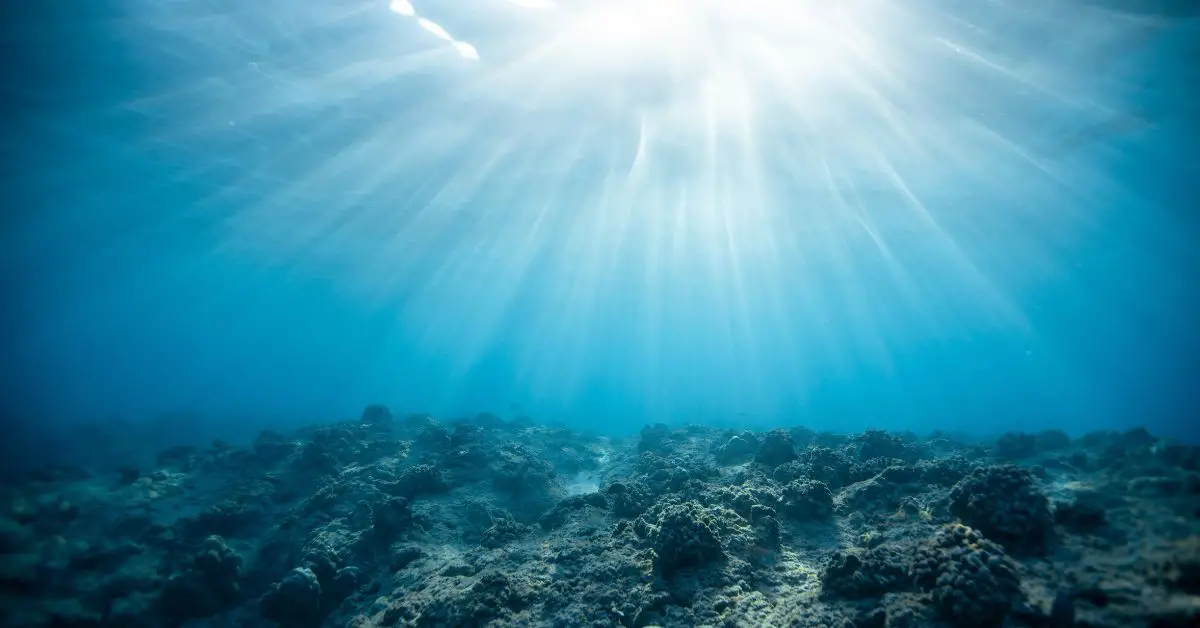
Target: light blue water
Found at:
x=916, y=215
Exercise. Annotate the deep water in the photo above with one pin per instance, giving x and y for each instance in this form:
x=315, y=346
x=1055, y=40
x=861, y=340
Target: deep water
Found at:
x=268, y=216
x=679, y=313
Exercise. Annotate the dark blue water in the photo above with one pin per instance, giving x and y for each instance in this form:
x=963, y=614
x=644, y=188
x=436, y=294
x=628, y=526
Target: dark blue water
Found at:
x=975, y=216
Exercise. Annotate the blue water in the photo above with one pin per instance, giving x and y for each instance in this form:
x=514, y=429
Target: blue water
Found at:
x=927, y=215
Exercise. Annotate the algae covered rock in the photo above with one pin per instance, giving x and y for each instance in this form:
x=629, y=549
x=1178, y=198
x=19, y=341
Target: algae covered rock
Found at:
x=776, y=449
x=870, y=574
x=807, y=500
x=873, y=444
x=1004, y=504
x=687, y=536
x=739, y=448
x=653, y=438
x=294, y=601
x=208, y=586
x=377, y=414
x=972, y=580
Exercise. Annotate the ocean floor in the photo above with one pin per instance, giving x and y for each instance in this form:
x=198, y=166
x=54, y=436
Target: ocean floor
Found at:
x=414, y=521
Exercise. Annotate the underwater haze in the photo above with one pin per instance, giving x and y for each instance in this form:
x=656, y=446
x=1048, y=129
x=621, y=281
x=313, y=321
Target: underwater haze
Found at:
x=600, y=314
x=967, y=216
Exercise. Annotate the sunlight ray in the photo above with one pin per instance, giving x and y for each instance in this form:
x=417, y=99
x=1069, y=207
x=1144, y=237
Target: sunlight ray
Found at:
x=597, y=157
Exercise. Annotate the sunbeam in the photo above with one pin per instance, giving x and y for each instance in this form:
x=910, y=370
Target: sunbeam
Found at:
x=695, y=182
x=577, y=312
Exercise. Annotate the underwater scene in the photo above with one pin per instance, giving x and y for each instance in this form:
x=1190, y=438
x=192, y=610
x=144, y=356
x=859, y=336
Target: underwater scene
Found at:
x=600, y=313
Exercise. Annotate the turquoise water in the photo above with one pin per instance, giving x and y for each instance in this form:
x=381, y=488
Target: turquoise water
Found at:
x=915, y=216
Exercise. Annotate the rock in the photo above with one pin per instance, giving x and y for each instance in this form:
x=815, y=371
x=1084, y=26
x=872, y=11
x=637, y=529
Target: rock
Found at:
x=972, y=581
x=1003, y=503
x=807, y=500
x=739, y=448
x=686, y=537
x=776, y=449
x=294, y=601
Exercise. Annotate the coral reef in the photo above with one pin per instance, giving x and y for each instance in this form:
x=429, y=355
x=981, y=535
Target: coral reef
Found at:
x=686, y=536
x=1003, y=502
x=390, y=520
x=973, y=582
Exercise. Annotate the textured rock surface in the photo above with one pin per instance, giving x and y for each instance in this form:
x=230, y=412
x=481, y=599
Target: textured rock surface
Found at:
x=412, y=521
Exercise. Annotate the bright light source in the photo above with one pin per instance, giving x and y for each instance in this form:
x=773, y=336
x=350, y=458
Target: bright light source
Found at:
x=434, y=28
x=780, y=39
x=621, y=25
x=403, y=7
x=466, y=50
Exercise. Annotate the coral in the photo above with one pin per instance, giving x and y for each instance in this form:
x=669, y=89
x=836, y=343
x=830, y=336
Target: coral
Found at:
x=653, y=438
x=1052, y=440
x=686, y=537
x=825, y=465
x=209, y=585
x=489, y=421
x=376, y=415
x=422, y=479
x=345, y=443
x=870, y=574
x=229, y=518
x=321, y=562
x=435, y=437
x=404, y=556
x=391, y=518
x=295, y=601
x=592, y=590
x=1016, y=445
x=868, y=469
x=787, y=472
x=628, y=500
x=802, y=436
x=882, y=494
x=219, y=565
x=880, y=444
x=522, y=472
x=321, y=557
x=1003, y=503
x=316, y=457
x=466, y=434
x=344, y=525
x=502, y=532
x=755, y=495
x=491, y=597
x=972, y=581
x=1019, y=445
x=807, y=500
x=675, y=473
x=270, y=447
x=465, y=464
x=766, y=530
x=557, y=516
x=776, y=449
x=944, y=471
x=1129, y=451
x=738, y=448
x=345, y=581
